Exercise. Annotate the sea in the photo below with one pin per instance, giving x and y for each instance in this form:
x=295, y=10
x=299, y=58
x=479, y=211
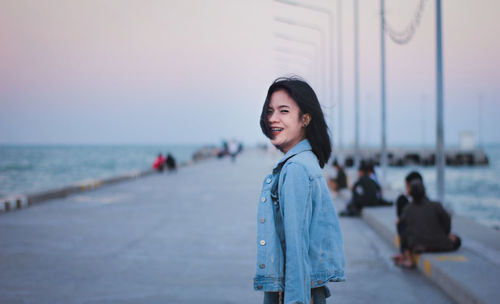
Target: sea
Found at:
x=472, y=192
x=31, y=168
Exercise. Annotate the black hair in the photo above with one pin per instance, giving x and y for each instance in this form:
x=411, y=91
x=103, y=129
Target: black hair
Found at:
x=308, y=103
x=364, y=167
x=414, y=175
x=417, y=190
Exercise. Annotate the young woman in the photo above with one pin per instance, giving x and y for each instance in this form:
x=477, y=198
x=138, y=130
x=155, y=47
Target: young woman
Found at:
x=299, y=241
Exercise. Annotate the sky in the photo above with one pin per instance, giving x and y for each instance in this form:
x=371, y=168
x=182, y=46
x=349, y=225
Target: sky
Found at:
x=179, y=72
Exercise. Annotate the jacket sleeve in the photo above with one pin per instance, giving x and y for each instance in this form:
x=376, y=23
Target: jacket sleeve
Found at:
x=295, y=199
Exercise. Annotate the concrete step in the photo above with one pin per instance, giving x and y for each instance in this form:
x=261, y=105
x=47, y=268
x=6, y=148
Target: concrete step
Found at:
x=468, y=275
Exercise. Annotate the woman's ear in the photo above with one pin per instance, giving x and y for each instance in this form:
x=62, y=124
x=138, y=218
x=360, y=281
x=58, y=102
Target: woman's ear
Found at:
x=306, y=119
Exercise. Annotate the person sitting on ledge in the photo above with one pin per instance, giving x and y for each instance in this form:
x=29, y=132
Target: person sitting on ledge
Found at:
x=427, y=227
x=338, y=182
x=159, y=163
x=401, y=202
x=365, y=192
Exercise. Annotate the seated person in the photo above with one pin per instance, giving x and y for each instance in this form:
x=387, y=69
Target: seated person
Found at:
x=365, y=192
x=158, y=164
x=401, y=202
x=338, y=182
x=170, y=163
x=427, y=227
x=373, y=176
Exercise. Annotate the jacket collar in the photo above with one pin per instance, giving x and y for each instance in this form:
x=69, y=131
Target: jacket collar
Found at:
x=302, y=146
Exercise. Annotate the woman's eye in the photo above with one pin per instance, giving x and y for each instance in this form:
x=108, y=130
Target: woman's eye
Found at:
x=284, y=111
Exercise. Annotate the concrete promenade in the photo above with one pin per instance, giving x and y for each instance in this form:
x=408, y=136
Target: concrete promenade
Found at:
x=187, y=237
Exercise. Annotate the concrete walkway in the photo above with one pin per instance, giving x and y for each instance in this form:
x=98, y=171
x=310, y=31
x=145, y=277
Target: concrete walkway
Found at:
x=181, y=238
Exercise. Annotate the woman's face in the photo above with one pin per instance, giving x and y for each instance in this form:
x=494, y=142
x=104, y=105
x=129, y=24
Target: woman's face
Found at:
x=286, y=123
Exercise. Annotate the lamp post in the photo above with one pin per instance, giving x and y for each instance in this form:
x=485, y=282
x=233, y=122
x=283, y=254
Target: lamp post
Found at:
x=356, y=87
x=339, y=81
x=382, y=89
x=440, y=157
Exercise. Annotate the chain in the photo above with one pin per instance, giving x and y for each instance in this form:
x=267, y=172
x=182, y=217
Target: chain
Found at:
x=403, y=37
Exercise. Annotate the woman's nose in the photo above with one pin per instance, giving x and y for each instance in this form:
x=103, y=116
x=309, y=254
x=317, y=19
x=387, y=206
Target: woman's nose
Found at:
x=272, y=117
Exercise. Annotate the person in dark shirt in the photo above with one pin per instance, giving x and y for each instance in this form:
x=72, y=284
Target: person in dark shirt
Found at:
x=365, y=192
x=170, y=163
x=340, y=181
x=427, y=226
x=401, y=202
x=404, y=199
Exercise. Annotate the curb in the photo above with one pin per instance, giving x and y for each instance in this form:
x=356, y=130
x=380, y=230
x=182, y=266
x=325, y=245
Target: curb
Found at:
x=20, y=201
x=467, y=276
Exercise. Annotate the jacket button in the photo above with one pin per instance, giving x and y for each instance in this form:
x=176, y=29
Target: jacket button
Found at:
x=320, y=282
x=263, y=199
x=259, y=287
x=262, y=266
x=268, y=180
x=262, y=242
x=262, y=220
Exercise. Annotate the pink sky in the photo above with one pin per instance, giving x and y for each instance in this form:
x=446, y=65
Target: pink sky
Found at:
x=197, y=71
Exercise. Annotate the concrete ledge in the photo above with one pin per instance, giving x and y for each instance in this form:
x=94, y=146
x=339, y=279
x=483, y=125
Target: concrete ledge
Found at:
x=468, y=275
x=20, y=201
x=24, y=200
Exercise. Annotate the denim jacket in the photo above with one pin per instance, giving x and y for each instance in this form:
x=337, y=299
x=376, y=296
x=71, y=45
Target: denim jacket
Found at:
x=313, y=239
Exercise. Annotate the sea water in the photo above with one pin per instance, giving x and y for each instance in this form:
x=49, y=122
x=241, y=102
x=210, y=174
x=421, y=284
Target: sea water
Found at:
x=31, y=168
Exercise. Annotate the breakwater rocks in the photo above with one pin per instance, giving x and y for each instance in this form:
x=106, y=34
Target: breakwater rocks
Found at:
x=399, y=157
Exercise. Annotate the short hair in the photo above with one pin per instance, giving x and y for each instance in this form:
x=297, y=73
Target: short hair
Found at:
x=414, y=175
x=317, y=132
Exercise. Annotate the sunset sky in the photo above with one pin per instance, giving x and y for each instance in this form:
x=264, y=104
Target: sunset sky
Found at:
x=158, y=72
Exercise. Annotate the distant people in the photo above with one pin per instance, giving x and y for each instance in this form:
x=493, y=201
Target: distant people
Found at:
x=159, y=163
x=338, y=182
x=427, y=227
x=170, y=163
x=224, y=151
x=233, y=148
x=365, y=192
x=372, y=173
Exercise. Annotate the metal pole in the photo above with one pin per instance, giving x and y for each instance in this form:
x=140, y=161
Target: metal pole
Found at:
x=440, y=156
x=382, y=76
x=356, y=87
x=339, y=80
x=332, y=82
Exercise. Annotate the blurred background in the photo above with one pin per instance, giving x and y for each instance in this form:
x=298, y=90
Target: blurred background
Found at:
x=95, y=88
